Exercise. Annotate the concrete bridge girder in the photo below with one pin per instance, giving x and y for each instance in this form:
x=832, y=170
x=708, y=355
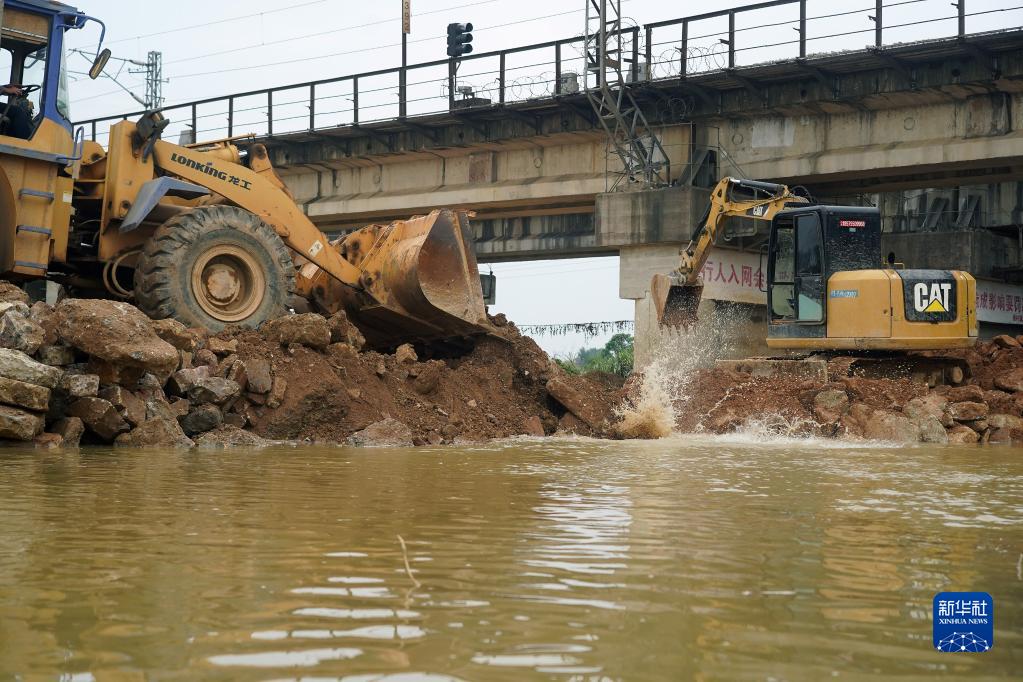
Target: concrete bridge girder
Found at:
x=548, y=177
x=885, y=149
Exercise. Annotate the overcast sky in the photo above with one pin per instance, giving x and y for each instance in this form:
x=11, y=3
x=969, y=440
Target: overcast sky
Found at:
x=217, y=48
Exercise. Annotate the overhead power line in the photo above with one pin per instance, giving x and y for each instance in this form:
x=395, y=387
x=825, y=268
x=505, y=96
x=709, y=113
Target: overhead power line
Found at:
x=217, y=22
x=332, y=31
x=366, y=49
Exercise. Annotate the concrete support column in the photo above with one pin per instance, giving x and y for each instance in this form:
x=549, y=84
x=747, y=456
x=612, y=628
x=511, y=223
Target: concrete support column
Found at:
x=732, y=322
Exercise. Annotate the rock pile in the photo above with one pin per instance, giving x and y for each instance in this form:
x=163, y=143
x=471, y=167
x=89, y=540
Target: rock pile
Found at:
x=986, y=407
x=101, y=372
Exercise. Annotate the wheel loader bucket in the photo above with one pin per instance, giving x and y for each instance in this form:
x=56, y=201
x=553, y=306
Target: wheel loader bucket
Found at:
x=675, y=302
x=420, y=282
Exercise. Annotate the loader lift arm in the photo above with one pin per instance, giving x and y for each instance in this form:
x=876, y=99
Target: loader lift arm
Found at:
x=677, y=294
x=248, y=189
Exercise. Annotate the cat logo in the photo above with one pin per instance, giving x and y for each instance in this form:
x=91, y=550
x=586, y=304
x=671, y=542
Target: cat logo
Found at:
x=931, y=298
x=758, y=211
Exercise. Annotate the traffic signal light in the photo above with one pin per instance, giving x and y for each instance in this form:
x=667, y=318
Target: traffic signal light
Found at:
x=459, y=37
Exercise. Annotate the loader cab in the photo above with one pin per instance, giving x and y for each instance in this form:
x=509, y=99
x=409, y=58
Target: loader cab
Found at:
x=37, y=143
x=807, y=245
x=32, y=55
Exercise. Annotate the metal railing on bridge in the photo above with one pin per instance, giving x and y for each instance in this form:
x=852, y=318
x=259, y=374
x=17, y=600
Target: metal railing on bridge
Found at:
x=673, y=49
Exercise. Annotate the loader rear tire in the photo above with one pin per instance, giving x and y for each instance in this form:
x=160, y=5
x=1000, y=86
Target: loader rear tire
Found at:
x=215, y=266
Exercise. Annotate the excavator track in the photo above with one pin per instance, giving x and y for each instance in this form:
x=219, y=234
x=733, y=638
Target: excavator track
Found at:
x=932, y=369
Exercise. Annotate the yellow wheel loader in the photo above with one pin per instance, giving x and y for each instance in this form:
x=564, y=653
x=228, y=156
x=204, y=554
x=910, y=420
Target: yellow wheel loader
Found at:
x=206, y=233
x=828, y=289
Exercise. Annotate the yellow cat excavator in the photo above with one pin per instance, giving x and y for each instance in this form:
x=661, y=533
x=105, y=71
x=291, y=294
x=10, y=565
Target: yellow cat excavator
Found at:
x=204, y=233
x=827, y=287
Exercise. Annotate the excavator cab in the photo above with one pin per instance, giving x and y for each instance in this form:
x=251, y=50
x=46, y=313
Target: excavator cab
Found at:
x=827, y=289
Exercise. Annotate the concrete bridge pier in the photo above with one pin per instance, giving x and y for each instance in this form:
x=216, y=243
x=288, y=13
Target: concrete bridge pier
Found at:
x=725, y=328
x=648, y=228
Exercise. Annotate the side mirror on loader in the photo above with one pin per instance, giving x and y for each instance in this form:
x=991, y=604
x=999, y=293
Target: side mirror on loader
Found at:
x=99, y=63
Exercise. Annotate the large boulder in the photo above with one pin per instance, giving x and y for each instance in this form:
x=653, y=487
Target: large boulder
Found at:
x=56, y=356
x=12, y=293
x=533, y=427
x=155, y=433
x=219, y=346
x=202, y=419
x=70, y=429
x=1005, y=341
x=182, y=381
x=277, y=393
x=388, y=432
x=930, y=405
x=932, y=430
x=578, y=401
x=1005, y=421
x=100, y=417
x=48, y=441
x=830, y=405
x=230, y=436
x=260, y=379
x=18, y=424
x=962, y=434
x=131, y=407
x=214, y=390
x=175, y=333
x=968, y=411
x=429, y=377
x=76, y=385
x=19, y=331
x=891, y=426
x=21, y=394
x=234, y=368
x=14, y=364
x=307, y=329
x=965, y=394
x=1011, y=380
x=405, y=354
x=44, y=315
x=118, y=335
x=343, y=331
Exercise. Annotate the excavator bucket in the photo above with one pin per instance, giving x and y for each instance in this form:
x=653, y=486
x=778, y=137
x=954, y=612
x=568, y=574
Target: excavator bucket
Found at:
x=420, y=282
x=676, y=303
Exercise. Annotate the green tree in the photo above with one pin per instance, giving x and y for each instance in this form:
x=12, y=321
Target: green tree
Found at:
x=616, y=357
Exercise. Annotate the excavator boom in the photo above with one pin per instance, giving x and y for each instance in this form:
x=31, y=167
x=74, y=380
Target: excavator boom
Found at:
x=676, y=295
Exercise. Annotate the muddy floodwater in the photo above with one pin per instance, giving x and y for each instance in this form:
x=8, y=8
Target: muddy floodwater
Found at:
x=569, y=560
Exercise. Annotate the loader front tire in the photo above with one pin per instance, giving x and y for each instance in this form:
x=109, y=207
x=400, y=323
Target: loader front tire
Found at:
x=215, y=266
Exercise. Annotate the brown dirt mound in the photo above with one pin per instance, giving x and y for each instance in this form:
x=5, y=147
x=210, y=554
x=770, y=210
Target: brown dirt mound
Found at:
x=492, y=392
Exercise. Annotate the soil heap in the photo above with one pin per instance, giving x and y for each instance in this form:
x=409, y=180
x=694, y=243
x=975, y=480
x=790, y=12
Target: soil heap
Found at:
x=101, y=372
x=986, y=407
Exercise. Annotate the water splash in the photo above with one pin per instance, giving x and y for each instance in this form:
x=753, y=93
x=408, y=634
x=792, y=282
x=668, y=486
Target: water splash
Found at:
x=666, y=383
x=775, y=426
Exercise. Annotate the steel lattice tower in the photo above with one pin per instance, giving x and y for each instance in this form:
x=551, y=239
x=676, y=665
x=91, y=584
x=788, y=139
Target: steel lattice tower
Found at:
x=607, y=50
